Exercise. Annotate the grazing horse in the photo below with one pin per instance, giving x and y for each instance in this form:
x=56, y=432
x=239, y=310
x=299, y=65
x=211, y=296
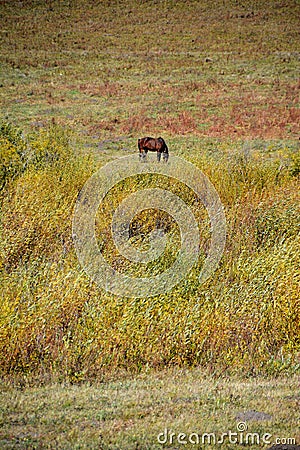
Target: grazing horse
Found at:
x=153, y=145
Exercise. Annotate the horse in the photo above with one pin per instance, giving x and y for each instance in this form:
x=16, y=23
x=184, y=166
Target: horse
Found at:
x=153, y=145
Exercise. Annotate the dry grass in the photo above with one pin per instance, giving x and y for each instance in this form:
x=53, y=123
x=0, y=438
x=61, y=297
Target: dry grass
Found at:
x=55, y=321
x=210, y=69
x=83, y=80
x=130, y=413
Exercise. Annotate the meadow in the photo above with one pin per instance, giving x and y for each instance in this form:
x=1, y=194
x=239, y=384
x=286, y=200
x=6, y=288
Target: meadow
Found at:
x=80, y=82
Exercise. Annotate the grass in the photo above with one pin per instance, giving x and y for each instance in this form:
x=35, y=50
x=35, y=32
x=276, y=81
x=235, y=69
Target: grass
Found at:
x=210, y=69
x=56, y=321
x=132, y=412
x=80, y=82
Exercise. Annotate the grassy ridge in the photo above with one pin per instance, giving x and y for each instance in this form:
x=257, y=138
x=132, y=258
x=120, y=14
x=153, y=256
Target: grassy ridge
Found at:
x=83, y=80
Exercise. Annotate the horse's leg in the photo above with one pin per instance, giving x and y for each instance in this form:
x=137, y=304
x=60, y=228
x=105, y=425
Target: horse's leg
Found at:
x=165, y=157
x=143, y=155
x=141, y=151
x=158, y=155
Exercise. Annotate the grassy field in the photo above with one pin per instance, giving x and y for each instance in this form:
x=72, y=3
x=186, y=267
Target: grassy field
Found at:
x=133, y=413
x=211, y=69
x=80, y=82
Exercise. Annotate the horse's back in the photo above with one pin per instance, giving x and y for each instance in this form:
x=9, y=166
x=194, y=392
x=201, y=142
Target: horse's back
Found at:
x=147, y=143
x=152, y=144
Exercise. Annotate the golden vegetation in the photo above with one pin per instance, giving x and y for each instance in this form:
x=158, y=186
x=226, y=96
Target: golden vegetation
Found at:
x=55, y=321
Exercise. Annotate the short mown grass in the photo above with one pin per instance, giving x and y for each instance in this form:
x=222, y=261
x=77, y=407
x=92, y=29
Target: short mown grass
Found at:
x=133, y=413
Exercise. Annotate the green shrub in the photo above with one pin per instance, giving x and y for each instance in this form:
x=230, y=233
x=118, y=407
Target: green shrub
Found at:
x=13, y=153
x=49, y=147
x=295, y=163
x=45, y=148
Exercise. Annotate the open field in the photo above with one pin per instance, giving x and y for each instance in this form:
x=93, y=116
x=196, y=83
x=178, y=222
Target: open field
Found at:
x=131, y=413
x=80, y=82
x=214, y=69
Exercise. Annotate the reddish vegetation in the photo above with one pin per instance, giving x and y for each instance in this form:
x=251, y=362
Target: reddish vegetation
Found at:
x=269, y=122
x=259, y=111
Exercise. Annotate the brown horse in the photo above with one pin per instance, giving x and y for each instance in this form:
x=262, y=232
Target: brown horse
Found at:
x=153, y=145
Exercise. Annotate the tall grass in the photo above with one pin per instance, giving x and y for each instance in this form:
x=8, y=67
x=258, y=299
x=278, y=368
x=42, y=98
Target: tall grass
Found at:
x=55, y=323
